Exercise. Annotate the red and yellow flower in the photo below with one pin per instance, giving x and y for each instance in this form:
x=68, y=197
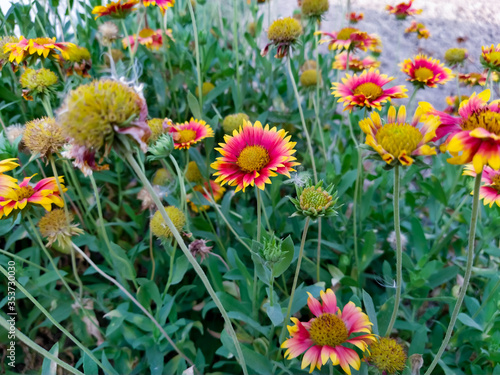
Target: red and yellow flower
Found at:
x=162, y=4
x=355, y=63
x=325, y=336
x=350, y=38
x=204, y=190
x=490, y=57
x=397, y=140
x=115, y=9
x=44, y=47
x=418, y=28
x=426, y=71
x=454, y=103
x=7, y=182
x=489, y=191
x=366, y=90
x=403, y=10
x=252, y=155
x=151, y=39
x=45, y=193
x=354, y=17
x=191, y=132
x=476, y=79
x=474, y=137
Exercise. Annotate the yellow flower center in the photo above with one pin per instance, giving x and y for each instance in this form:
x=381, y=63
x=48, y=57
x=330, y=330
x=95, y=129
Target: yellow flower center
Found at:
x=186, y=135
x=24, y=192
x=388, y=355
x=495, y=182
x=488, y=120
x=253, y=158
x=369, y=90
x=423, y=74
x=495, y=57
x=315, y=198
x=345, y=33
x=328, y=329
x=42, y=41
x=396, y=138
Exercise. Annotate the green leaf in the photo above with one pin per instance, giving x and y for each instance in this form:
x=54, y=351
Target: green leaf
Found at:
x=370, y=310
x=274, y=313
x=287, y=249
x=180, y=268
x=122, y=263
x=194, y=106
x=468, y=321
x=89, y=366
x=147, y=292
x=49, y=367
x=368, y=249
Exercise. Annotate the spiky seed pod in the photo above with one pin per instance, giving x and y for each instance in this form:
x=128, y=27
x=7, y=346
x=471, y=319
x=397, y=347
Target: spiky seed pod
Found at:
x=314, y=201
x=455, y=56
x=43, y=136
x=107, y=33
x=233, y=122
x=160, y=228
x=388, y=356
x=315, y=8
x=309, y=78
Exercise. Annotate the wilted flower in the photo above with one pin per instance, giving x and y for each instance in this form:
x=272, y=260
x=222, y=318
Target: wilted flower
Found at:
x=366, y=90
x=314, y=201
x=191, y=132
x=146, y=199
x=107, y=33
x=403, y=10
x=350, y=38
x=396, y=140
x=234, y=122
x=490, y=58
x=387, y=355
x=160, y=228
x=254, y=154
x=356, y=64
x=419, y=29
x=92, y=115
x=13, y=132
x=325, y=336
x=392, y=240
x=37, y=82
x=425, y=71
x=55, y=225
x=200, y=248
x=455, y=56
x=115, y=9
x=43, y=136
x=283, y=33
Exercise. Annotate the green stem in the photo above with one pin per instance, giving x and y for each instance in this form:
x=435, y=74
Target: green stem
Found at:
x=318, y=256
x=306, y=132
x=198, y=57
x=296, y=277
x=171, y=270
x=54, y=321
x=46, y=106
x=399, y=253
x=468, y=271
x=356, y=194
x=412, y=97
x=180, y=177
x=259, y=214
x=235, y=50
x=133, y=163
x=33, y=345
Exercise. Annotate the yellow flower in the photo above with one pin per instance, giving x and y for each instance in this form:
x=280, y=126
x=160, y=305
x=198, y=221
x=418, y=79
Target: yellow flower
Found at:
x=160, y=228
x=43, y=136
x=37, y=82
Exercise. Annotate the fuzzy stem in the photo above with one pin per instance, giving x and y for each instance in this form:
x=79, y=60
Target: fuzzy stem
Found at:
x=235, y=49
x=296, y=277
x=306, y=132
x=180, y=178
x=468, y=271
x=133, y=163
x=399, y=252
x=197, y=51
x=259, y=214
x=412, y=97
x=318, y=256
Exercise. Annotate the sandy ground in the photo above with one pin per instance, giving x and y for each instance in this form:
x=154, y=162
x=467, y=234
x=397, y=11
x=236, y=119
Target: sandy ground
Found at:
x=477, y=21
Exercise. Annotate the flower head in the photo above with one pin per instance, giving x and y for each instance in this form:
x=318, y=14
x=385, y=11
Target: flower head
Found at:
x=92, y=115
x=325, y=336
x=350, y=38
x=206, y=190
x=254, y=154
x=160, y=228
x=477, y=79
x=388, y=356
x=474, y=136
x=55, y=225
x=315, y=201
x=35, y=48
x=455, y=56
x=490, y=57
x=397, y=141
x=283, y=33
x=356, y=64
x=115, y=9
x=162, y=4
x=315, y=8
x=419, y=29
x=78, y=61
x=151, y=39
x=425, y=71
x=107, y=33
x=43, y=136
x=45, y=193
x=309, y=78
x=4, y=56
x=37, y=82
x=234, y=122
x=14, y=131
x=489, y=191
x=454, y=104
x=403, y=10
x=191, y=132
x=366, y=90
x=354, y=17
x=200, y=248
x=158, y=127
x=7, y=183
